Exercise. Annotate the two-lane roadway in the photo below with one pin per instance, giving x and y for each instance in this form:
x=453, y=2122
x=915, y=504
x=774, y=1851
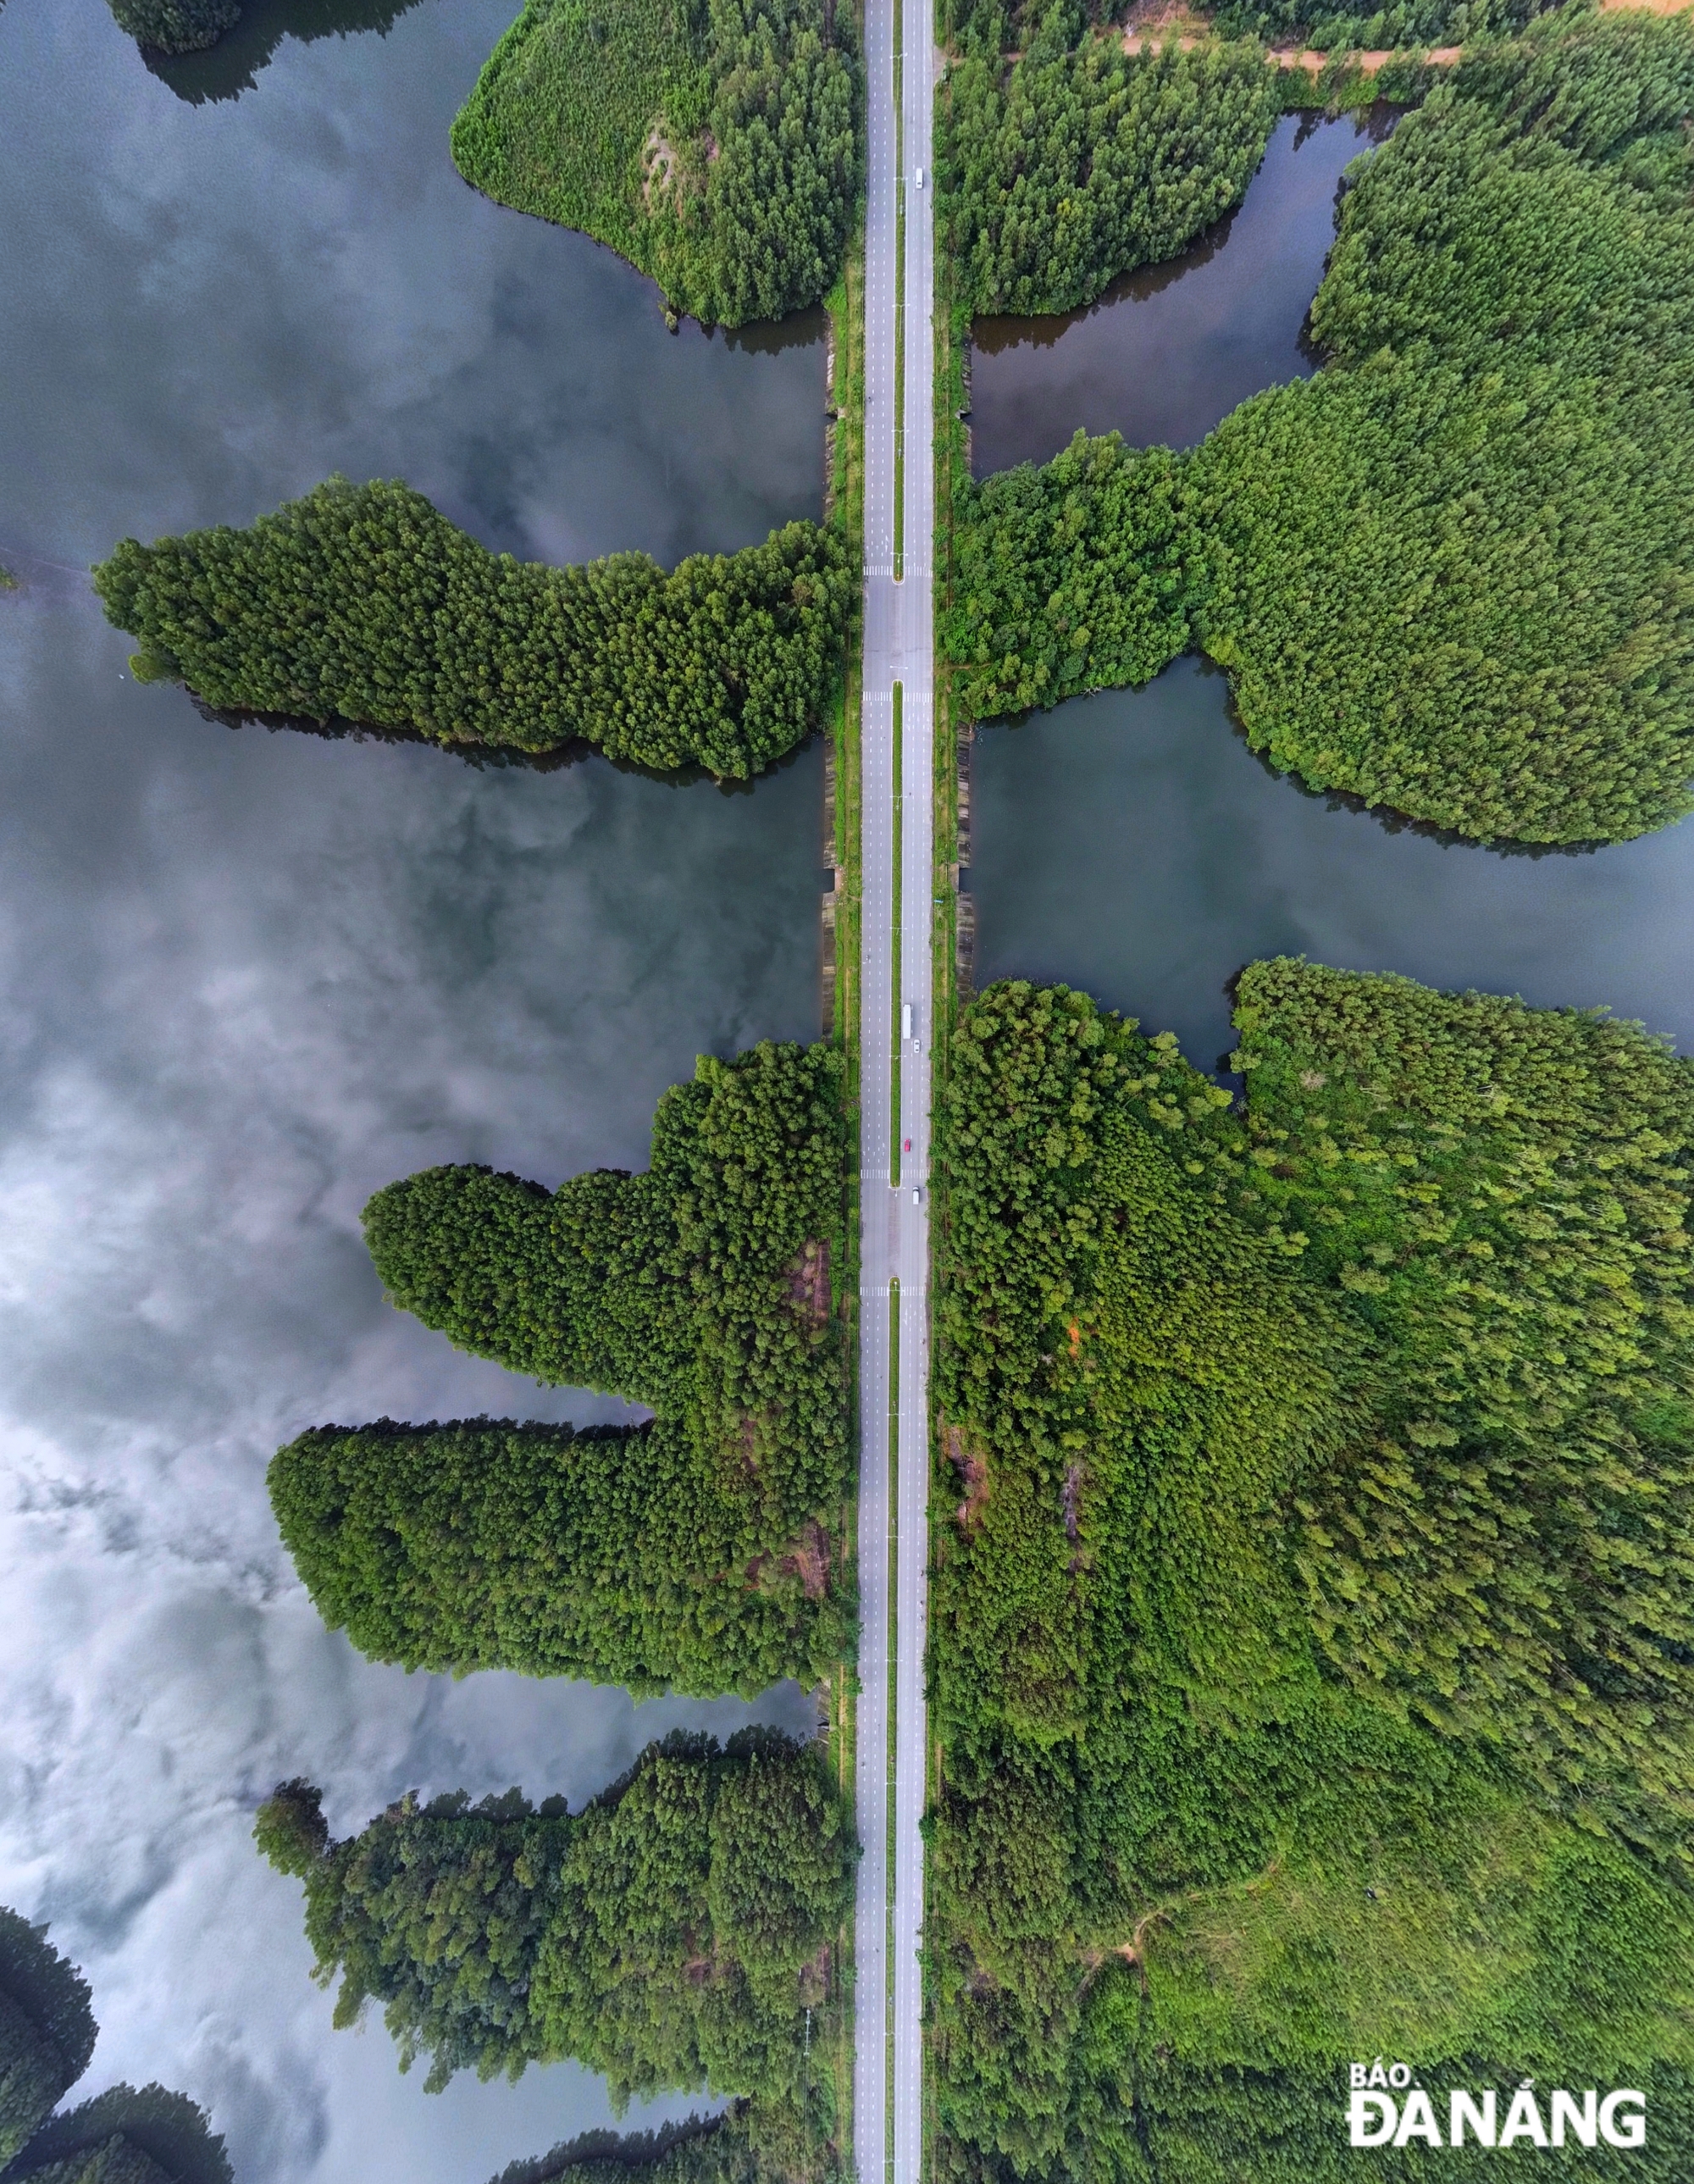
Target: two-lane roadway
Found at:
x=895, y=1028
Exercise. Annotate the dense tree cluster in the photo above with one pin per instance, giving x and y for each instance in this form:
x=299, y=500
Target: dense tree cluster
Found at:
x=1489, y=489
x=1070, y=578
x=1501, y=1194
x=1232, y=2124
x=692, y=1553
x=996, y=26
x=1082, y=162
x=615, y=1554
x=176, y=26
x=736, y=2147
x=1327, y=26
x=46, y=2040
x=715, y=145
x=114, y=2160
x=365, y=602
x=1312, y=1629
x=1449, y=574
x=674, y=1933
x=47, y=2029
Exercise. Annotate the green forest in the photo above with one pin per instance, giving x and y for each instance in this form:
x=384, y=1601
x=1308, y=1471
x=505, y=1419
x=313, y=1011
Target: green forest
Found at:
x=1326, y=25
x=728, y=2150
x=1082, y=161
x=695, y=1553
x=1313, y=1628
x=1448, y=574
x=364, y=603
x=47, y=2030
x=713, y=142
x=176, y=26
x=679, y=1932
x=46, y=2041
x=1010, y=25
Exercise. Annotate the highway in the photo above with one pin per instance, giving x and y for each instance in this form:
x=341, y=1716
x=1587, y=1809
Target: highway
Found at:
x=894, y=977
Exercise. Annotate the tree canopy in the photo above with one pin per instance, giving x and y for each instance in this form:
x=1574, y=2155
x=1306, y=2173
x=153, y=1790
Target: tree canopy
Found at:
x=1084, y=161
x=736, y=2147
x=1448, y=574
x=694, y=1552
x=47, y=2032
x=674, y=1933
x=1328, y=25
x=47, y=2029
x=176, y=26
x=1310, y=1626
x=714, y=142
x=365, y=602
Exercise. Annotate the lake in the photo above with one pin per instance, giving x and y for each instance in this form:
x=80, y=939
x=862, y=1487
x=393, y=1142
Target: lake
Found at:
x=1131, y=845
x=247, y=977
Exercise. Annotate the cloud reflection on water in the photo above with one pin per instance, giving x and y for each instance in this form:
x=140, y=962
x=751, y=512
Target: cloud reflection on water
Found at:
x=247, y=977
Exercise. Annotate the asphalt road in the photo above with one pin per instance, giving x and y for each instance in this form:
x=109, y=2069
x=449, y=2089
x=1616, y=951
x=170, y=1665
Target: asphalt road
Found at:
x=894, y=1217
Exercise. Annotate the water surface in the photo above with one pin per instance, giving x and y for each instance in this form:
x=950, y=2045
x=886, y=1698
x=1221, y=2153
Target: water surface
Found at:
x=246, y=979
x=1130, y=844
x=1169, y=351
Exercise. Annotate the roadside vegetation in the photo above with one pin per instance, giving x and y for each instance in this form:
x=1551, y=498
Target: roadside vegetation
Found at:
x=176, y=26
x=1324, y=27
x=1448, y=574
x=678, y=1932
x=1313, y=1609
x=1321, y=25
x=697, y=1553
x=714, y=143
x=365, y=603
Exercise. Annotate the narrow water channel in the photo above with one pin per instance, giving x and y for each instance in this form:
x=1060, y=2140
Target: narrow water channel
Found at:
x=1131, y=845
x=247, y=977
x=1168, y=351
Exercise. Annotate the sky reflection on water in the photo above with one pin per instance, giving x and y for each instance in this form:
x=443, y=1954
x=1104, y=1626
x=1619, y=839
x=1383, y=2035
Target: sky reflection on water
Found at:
x=1130, y=844
x=246, y=978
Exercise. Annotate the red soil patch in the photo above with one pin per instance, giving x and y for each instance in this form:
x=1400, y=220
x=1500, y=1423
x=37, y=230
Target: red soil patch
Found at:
x=808, y=1280
x=810, y=1562
x=972, y=1469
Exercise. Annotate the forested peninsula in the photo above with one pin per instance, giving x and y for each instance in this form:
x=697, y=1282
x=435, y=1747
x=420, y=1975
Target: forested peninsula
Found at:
x=1449, y=574
x=714, y=143
x=697, y=1553
x=1078, y=162
x=364, y=603
x=730, y=2148
x=1313, y=1615
x=680, y=1931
